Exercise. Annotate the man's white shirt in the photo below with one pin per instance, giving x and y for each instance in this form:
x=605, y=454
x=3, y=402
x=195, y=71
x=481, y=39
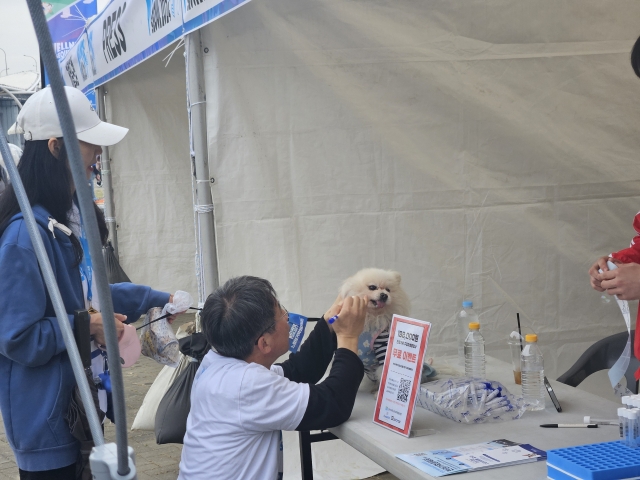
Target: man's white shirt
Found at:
x=238, y=410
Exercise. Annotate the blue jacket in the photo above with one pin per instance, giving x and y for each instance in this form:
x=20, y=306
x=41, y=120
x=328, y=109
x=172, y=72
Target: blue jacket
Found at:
x=36, y=379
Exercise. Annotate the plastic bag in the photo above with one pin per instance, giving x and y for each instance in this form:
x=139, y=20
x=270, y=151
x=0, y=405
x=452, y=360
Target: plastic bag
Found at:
x=146, y=416
x=157, y=339
x=467, y=400
x=173, y=410
x=182, y=301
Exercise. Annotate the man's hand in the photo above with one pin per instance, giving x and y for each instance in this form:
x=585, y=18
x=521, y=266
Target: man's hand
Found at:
x=594, y=274
x=623, y=282
x=350, y=322
x=96, y=328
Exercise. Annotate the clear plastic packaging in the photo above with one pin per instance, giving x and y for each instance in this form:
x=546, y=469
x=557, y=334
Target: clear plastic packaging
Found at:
x=157, y=339
x=470, y=401
x=156, y=336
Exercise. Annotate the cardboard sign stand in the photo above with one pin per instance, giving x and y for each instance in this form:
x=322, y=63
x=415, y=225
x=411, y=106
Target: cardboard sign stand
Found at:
x=400, y=382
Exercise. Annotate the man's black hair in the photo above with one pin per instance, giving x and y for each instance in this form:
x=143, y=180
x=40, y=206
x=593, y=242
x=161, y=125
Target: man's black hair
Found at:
x=235, y=314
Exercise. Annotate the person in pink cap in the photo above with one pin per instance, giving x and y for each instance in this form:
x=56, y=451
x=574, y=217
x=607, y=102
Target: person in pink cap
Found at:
x=36, y=380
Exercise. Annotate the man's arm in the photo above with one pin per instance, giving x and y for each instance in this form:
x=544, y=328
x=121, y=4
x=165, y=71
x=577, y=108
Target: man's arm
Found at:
x=331, y=402
x=311, y=362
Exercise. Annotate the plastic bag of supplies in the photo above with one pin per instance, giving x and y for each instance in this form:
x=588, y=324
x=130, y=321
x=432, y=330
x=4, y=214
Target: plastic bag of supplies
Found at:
x=157, y=339
x=171, y=417
x=470, y=401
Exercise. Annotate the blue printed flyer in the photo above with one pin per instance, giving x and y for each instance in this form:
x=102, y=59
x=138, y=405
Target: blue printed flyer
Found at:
x=472, y=458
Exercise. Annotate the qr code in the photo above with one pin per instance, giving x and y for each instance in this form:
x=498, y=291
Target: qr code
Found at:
x=403, y=390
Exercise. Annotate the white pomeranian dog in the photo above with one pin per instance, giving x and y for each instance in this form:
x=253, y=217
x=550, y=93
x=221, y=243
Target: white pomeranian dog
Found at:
x=386, y=298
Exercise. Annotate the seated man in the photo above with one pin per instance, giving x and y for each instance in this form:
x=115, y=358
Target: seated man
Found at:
x=240, y=401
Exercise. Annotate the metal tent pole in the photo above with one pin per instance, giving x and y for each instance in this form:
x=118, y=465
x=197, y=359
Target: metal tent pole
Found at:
x=125, y=465
x=107, y=179
x=205, y=223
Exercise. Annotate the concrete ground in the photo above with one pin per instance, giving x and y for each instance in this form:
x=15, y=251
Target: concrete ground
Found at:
x=157, y=462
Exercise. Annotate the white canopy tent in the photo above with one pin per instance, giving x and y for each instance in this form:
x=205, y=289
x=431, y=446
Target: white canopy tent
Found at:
x=485, y=149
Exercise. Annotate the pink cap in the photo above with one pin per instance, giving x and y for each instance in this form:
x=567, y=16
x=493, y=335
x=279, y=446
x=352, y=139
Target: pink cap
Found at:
x=129, y=346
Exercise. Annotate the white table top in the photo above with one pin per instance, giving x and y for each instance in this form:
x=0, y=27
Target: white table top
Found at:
x=381, y=445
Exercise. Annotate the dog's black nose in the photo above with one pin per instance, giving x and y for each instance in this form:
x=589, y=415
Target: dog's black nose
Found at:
x=383, y=297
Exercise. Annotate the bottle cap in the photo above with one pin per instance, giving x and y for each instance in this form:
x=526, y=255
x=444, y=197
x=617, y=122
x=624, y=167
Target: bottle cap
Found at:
x=467, y=304
x=531, y=337
x=632, y=414
x=621, y=411
x=474, y=326
x=625, y=400
x=587, y=419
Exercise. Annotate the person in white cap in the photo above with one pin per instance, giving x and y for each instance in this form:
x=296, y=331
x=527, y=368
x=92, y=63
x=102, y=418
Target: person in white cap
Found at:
x=36, y=379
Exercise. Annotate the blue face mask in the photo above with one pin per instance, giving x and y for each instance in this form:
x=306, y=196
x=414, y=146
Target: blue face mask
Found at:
x=297, y=324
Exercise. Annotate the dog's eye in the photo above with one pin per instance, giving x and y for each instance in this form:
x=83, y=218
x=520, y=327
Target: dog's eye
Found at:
x=388, y=290
x=372, y=287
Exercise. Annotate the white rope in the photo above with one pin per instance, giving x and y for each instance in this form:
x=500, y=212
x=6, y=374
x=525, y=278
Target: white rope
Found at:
x=170, y=56
x=203, y=208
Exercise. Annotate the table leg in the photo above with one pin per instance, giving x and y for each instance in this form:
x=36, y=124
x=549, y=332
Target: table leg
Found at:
x=306, y=439
x=306, y=462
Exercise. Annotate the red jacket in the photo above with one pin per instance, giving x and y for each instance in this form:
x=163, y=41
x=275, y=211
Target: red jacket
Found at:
x=632, y=255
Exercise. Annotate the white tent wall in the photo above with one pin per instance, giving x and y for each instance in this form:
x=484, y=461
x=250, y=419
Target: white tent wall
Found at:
x=152, y=175
x=485, y=149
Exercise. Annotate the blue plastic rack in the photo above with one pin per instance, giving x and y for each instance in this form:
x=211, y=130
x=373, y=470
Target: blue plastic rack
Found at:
x=598, y=461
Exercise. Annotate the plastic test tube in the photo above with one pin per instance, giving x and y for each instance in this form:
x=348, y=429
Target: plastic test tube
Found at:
x=625, y=427
x=601, y=421
x=633, y=426
x=636, y=428
x=621, y=420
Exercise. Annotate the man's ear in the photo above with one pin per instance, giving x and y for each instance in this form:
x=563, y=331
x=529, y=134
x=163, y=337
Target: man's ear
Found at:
x=55, y=146
x=264, y=346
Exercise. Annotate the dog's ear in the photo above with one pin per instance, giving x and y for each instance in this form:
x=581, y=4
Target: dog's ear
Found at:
x=346, y=287
x=396, y=277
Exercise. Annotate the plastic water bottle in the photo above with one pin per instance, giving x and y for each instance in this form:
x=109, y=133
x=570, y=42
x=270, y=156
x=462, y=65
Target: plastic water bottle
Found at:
x=466, y=316
x=474, y=362
x=532, y=364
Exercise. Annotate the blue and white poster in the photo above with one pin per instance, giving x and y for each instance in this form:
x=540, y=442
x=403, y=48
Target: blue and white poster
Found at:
x=127, y=32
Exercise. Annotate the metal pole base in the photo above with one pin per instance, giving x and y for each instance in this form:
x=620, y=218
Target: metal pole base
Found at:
x=104, y=463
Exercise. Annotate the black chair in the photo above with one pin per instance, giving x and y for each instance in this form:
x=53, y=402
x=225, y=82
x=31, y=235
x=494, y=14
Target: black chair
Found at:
x=600, y=356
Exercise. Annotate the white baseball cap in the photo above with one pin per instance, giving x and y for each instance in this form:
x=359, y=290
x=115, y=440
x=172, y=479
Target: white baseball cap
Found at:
x=38, y=119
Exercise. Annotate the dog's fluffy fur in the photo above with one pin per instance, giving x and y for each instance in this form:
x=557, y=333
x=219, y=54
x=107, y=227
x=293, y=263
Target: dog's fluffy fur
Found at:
x=386, y=296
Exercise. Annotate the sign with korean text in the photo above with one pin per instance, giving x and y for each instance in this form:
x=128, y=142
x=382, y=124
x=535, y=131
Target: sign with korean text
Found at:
x=128, y=32
x=401, y=373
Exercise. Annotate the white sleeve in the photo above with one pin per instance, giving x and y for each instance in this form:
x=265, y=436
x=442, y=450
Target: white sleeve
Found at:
x=269, y=401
